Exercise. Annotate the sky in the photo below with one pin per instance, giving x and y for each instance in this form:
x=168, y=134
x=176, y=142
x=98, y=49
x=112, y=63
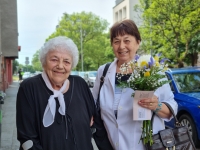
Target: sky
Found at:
x=37, y=20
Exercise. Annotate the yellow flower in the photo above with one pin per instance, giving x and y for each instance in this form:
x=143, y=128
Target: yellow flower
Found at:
x=133, y=65
x=147, y=74
x=143, y=63
x=165, y=68
x=136, y=64
x=156, y=58
x=157, y=64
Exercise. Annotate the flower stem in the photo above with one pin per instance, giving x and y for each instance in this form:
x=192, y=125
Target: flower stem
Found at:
x=147, y=132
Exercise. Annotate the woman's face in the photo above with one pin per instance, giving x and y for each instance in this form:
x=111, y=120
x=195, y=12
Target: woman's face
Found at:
x=125, y=48
x=58, y=66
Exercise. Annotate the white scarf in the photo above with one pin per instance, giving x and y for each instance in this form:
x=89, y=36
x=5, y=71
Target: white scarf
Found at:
x=50, y=110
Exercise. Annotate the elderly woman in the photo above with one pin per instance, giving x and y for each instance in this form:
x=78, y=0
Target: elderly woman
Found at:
x=54, y=109
x=116, y=103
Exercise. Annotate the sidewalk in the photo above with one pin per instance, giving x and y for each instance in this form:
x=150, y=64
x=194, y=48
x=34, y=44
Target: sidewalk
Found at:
x=8, y=127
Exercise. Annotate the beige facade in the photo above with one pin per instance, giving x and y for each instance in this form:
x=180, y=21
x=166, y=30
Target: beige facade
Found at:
x=8, y=40
x=124, y=9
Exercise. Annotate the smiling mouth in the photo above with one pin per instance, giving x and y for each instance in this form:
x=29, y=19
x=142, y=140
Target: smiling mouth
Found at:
x=123, y=52
x=59, y=72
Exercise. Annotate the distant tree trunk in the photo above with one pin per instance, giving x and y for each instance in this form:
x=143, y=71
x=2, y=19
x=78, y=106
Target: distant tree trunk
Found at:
x=180, y=64
x=194, y=58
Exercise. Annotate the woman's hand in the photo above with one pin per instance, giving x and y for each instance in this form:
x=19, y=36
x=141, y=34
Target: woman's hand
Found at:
x=149, y=103
x=152, y=104
x=92, y=121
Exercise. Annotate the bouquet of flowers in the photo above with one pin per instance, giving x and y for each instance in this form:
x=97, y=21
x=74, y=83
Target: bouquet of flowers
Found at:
x=147, y=74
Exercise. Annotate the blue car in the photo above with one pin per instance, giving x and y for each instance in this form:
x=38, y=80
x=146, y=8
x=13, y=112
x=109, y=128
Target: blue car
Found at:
x=185, y=84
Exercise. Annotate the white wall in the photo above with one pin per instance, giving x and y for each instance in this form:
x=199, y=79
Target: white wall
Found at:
x=128, y=6
x=118, y=8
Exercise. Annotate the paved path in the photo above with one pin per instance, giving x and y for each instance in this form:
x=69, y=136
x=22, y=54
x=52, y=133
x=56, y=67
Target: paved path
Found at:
x=8, y=128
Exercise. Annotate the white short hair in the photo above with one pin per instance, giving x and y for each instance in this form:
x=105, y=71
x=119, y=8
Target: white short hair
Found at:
x=60, y=43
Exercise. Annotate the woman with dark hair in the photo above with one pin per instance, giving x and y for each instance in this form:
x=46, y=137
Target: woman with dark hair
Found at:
x=116, y=103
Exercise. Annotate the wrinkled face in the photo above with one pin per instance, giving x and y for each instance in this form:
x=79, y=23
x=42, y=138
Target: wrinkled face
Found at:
x=58, y=66
x=125, y=47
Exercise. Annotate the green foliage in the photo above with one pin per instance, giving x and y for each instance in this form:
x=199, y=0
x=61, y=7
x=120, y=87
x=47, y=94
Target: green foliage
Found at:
x=15, y=65
x=95, y=42
x=97, y=52
x=36, y=62
x=169, y=24
x=28, y=68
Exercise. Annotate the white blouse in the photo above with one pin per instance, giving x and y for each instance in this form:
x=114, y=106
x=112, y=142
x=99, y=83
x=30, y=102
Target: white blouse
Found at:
x=123, y=132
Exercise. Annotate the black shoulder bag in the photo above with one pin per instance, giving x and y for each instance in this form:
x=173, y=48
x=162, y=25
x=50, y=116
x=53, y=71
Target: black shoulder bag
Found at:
x=172, y=139
x=101, y=83
x=100, y=135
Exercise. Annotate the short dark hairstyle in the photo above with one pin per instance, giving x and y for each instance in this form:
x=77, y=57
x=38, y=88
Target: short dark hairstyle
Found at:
x=124, y=27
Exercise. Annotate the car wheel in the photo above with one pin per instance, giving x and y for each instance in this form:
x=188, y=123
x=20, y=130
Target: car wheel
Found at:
x=187, y=121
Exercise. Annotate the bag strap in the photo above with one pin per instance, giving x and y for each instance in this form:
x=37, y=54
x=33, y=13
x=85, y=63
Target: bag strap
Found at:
x=101, y=82
x=177, y=124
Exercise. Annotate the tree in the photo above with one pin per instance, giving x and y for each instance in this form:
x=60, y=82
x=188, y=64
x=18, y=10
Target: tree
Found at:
x=98, y=51
x=15, y=66
x=194, y=47
x=28, y=68
x=91, y=29
x=36, y=62
x=170, y=24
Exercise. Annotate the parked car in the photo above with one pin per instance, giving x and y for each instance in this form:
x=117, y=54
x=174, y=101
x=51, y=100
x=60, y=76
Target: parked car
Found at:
x=185, y=84
x=26, y=75
x=90, y=77
x=74, y=72
x=81, y=74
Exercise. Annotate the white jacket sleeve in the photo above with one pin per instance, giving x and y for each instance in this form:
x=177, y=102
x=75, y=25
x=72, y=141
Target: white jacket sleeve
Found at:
x=165, y=94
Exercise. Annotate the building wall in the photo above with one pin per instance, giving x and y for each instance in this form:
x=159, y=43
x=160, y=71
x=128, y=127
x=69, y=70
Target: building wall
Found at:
x=1, y=71
x=121, y=11
x=9, y=32
x=124, y=9
x=0, y=26
x=135, y=16
x=8, y=40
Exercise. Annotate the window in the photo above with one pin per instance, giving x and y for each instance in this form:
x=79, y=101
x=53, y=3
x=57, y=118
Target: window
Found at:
x=120, y=15
x=116, y=16
x=124, y=13
x=188, y=82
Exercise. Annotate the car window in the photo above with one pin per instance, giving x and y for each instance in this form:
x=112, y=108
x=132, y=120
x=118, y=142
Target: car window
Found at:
x=81, y=74
x=188, y=82
x=171, y=85
x=92, y=74
x=74, y=73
